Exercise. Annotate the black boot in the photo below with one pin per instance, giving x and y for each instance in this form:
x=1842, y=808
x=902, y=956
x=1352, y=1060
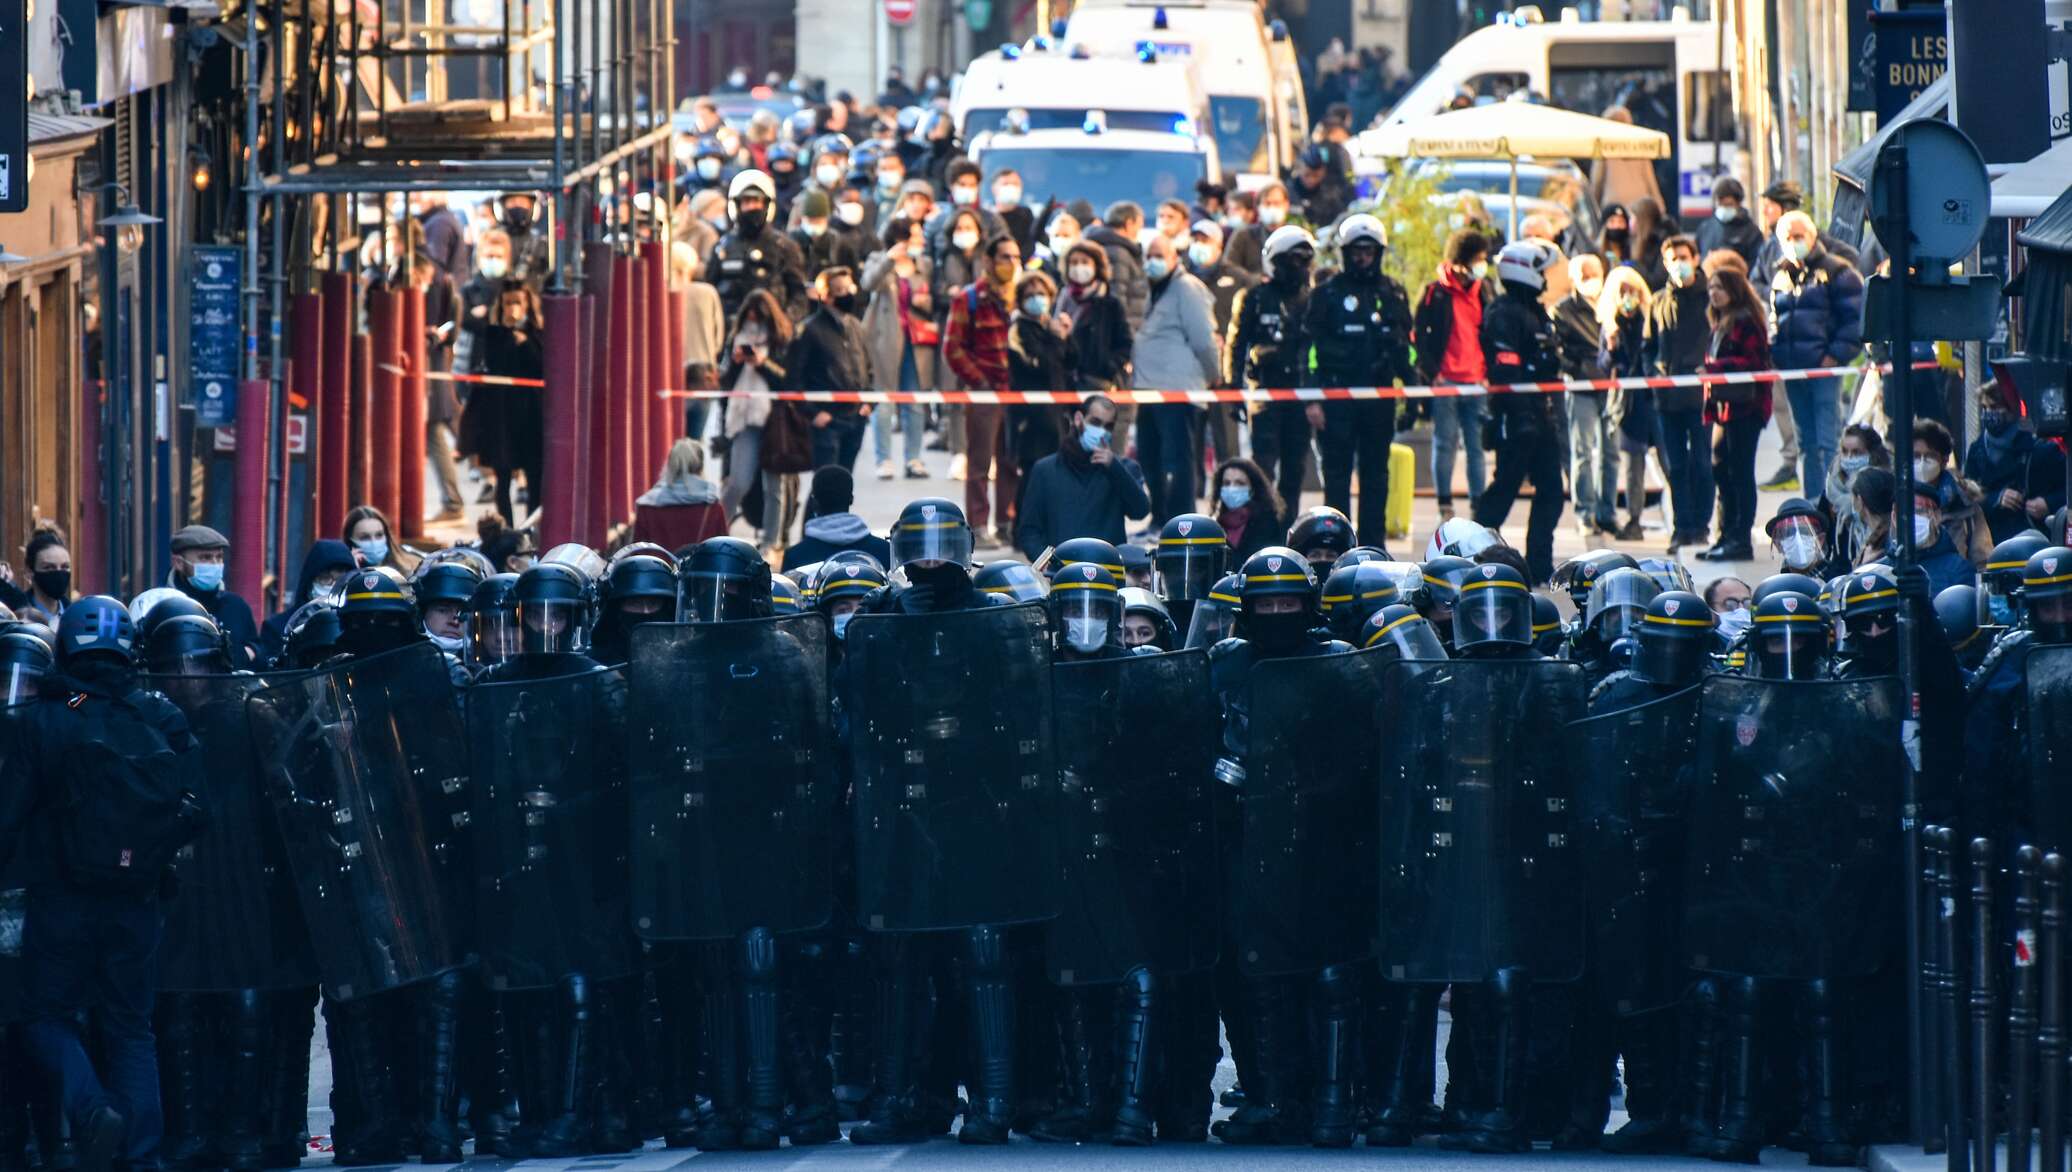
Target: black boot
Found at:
x=719, y=1019
x=378, y=1135
x=1187, y=1037
x=990, y=998
x=438, y=1137
x=14, y=1103
x=1271, y=1114
x=1334, y=1106
x=895, y=1107
x=1581, y=1078
x=243, y=1085
x=1073, y=1119
x=813, y=1118
x=1828, y=1143
x=613, y=1074
x=291, y=1029
x=1135, y=1016
x=182, y=1034
x=682, y=1027
x=565, y=1129
x=1648, y=1043
x=1393, y=1065
x=487, y=1042
x=1502, y=1051
x=849, y=1033
x=1739, y=1137
x=1701, y=1067
x=651, y=1117
x=762, y=1117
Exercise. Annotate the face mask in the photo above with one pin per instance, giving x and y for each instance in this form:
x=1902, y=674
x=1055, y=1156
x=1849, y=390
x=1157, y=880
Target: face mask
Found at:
x=53, y=583
x=1093, y=437
x=518, y=219
x=1924, y=530
x=849, y=213
x=1997, y=422
x=2001, y=607
x=1736, y=622
x=718, y=222
x=1590, y=287
x=1927, y=469
x=494, y=267
x=1480, y=270
x=1086, y=635
x=1851, y=465
x=1799, y=550
x=1080, y=274
x=1036, y=306
x=1007, y=197
x=1201, y=256
x=842, y=624
x=751, y=221
x=1629, y=305
x=451, y=646
x=207, y=576
x=708, y=169
x=373, y=549
x=890, y=180
x=1726, y=215
x=1797, y=250
x=1276, y=630
x=1157, y=268
x=1273, y=217
x=963, y=196
x=849, y=303
x=827, y=176
x=965, y=241
x=1681, y=271
x=1235, y=496
x=813, y=230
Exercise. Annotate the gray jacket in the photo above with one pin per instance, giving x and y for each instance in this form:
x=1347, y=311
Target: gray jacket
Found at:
x=883, y=339
x=1176, y=348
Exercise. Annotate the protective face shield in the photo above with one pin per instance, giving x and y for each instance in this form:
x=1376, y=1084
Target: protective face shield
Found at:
x=1087, y=609
x=1404, y=634
x=1798, y=543
x=719, y=598
x=1214, y=620
x=1795, y=651
x=492, y=636
x=18, y=683
x=1617, y=603
x=928, y=538
x=2051, y=619
x=552, y=626
x=1187, y=571
x=1492, y=612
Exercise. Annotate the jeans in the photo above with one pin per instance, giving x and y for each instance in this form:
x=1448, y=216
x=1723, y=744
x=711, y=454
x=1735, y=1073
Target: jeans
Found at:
x=1457, y=425
x=81, y=952
x=744, y=465
x=697, y=413
x=1685, y=454
x=1165, y=449
x=1280, y=446
x=1817, y=409
x=438, y=445
x=912, y=416
x=1593, y=460
x=1359, y=434
x=1527, y=452
x=839, y=442
x=1733, y=467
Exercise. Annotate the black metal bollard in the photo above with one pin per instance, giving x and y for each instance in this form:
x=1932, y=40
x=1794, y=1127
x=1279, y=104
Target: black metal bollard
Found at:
x=1935, y=1056
x=1983, y=950
x=2050, y=1028
x=1949, y=1004
x=2021, y=1012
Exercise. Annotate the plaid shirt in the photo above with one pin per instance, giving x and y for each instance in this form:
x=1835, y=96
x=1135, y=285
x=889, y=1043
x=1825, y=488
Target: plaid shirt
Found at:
x=974, y=342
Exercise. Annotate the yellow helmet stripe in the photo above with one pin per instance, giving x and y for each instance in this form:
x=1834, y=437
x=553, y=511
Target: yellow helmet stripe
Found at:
x=1492, y=584
x=1376, y=636
x=1057, y=586
x=1165, y=541
x=1666, y=621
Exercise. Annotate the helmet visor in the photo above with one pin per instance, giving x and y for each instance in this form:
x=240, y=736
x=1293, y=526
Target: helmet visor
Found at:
x=717, y=598
x=1087, y=613
x=1211, y=623
x=550, y=626
x=492, y=636
x=18, y=682
x=1493, y=612
x=1409, y=637
x=1189, y=566
x=923, y=539
x=1791, y=651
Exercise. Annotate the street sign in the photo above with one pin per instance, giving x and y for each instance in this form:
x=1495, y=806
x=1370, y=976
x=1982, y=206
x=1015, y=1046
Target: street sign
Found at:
x=1948, y=196
x=1966, y=309
x=213, y=332
x=14, y=105
x=899, y=13
x=1912, y=52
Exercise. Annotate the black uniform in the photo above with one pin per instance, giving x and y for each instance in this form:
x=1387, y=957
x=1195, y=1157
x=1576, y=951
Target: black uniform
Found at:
x=1361, y=332
x=1267, y=345
x=744, y=262
x=1518, y=345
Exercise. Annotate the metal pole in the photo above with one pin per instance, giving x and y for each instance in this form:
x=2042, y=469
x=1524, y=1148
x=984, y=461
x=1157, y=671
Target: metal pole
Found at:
x=1949, y=942
x=2021, y=1013
x=1934, y=1045
x=1984, y=1067
x=559, y=238
x=252, y=197
x=2050, y=1030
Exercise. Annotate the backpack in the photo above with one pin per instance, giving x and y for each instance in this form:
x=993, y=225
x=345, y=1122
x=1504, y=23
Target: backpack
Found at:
x=128, y=808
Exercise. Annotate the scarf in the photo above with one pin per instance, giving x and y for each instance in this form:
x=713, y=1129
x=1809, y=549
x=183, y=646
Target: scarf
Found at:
x=1234, y=522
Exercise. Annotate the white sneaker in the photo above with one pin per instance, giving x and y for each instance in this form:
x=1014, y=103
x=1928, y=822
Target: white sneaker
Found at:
x=886, y=470
x=956, y=471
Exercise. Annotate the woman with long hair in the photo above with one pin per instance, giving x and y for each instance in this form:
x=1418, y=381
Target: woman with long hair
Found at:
x=1740, y=342
x=754, y=367
x=1624, y=352
x=1248, y=508
x=368, y=532
x=503, y=427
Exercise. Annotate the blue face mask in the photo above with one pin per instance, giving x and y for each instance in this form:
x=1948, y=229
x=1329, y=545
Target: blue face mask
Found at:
x=1235, y=496
x=373, y=549
x=2001, y=607
x=208, y=576
x=842, y=624
x=1157, y=267
x=1093, y=437
x=1996, y=422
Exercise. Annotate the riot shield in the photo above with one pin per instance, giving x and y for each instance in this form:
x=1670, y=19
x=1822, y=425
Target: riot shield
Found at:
x=1479, y=862
x=236, y=923
x=551, y=826
x=732, y=790
x=1630, y=799
x=366, y=768
x=1794, y=862
x=1136, y=743
x=1303, y=895
x=2049, y=672
x=956, y=785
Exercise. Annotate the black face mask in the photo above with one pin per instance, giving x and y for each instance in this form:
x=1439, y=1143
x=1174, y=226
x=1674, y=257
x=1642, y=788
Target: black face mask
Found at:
x=1277, y=633
x=849, y=303
x=751, y=220
x=1292, y=272
x=518, y=219
x=53, y=583
x=1360, y=267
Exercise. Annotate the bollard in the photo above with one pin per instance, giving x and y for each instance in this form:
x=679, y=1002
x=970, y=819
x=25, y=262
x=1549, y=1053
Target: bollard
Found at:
x=2021, y=1011
x=1934, y=1050
x=1983, y=950
x=2050, y=1028
x=1949, y=1000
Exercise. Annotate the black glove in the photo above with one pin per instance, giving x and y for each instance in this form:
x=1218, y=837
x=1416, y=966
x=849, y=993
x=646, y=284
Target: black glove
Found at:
x=1913, y=584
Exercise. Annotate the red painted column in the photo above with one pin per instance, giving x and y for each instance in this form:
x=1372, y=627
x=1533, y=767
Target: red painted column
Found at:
x=660, y=433
x=636, y=387
x=410, y=416
x=619, y=403
x=248, y=505
x=334, y=415
x=561, y=407
x=361, y=489
x=385, y=321
x=597, y=350
x=306, y=319
x=679, y=305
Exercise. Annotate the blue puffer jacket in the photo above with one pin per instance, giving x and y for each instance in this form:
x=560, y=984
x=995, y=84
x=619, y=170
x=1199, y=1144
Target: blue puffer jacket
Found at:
x=1816, y=311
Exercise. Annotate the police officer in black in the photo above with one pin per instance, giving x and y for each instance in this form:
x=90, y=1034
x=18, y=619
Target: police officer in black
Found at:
x=1518, y=345
x=1268, y=346
x=100, y=786
x=1359, y=322
x=755, y=253
x=637, y=589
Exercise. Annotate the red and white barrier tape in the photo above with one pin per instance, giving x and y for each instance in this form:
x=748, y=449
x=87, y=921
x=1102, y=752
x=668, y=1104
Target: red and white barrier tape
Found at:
x=1272, y=394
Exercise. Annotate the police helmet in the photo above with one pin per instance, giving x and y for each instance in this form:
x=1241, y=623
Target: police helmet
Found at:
x=493, y=621
x=1618, y=600
x=376, y=599
x=1360, y=555
x=1669, y=574
x=723, y=578
x=186, y=645
x=1284, y=240
x=785, y=596
x=1014, y=579
x=450, y=583
x=1789, y=639
x=1494, y=608
x=931, y=529
x=1785, y=584
x=1141, y=604
x=1547, y=632
x=1085, y=604
x=1578, y=574
x=1360, y=228
x=1438, y=586
x=1675, y=639
x=2046, y=590
x=1351, y=594
x=2003, y=573
x=1087, y=549
x=844, y=577
x=1869, y=596
x=1524, y=262
x=1322, y=528
x=578, y=557
x=553, y=603
x=1404, y=632
x=312, y=635
x=1215, y=615
x=25, y=658
x=1957, y=612
x=96, y=627
x=750, y=181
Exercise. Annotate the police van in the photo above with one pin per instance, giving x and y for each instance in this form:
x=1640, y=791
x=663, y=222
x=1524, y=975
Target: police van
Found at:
x=1258, y=114
x=1098, y=164
x=1041, y=87
x=1674, y=75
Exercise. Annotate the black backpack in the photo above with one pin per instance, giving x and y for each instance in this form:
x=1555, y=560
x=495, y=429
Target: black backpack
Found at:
x=129, y=804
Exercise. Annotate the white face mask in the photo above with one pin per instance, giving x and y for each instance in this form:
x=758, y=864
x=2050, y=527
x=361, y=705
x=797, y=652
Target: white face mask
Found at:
x=1590, y=287
x=1080, y=274
x=1927, y=469
x=849, y=213
x=828, y=176
x=965, y=241
x=1726, y=215
x=1086, y=634
x=963, y=195
x=1799, y=550
x=1735, y=622
x=1007, y=197
x=1273, y=215
x=451, y=645
x=708, y=169
x=494, y=267
x=842, y=624
x=1924, y=530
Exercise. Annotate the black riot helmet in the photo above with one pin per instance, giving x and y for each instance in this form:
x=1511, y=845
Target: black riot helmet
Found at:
x=96, y=627
x=1617, y=601
x=1360, y=555
x=1438, y=589
x=2046, y=590
x=1352, y=593
x=312, y=635
x=640, y=589
x=1956, y=611
x=493, y=621
x=1578, y=574
x=1192, y=552
x=1404, y=632
x=1215, y=616
x=186, y=645
x=1675, y=639
x=25, y=658
x=2002, y=577
x=1869, y=608
x=1669, y=574
x=1085, y=604
x=445, y=582
x=1784, y=584
x=723, y=578
x=1494, y=610
x=176, y=605
x=1547, y=632
x=1146, y=622
x=929, y=531
x=1321, y=534
x=553, y=603
x=1279, y=601
x=1016, y=580
x=785, y=596
x=1086, y=549
x=844, y=581
x=376, y=612
x=1788, y=640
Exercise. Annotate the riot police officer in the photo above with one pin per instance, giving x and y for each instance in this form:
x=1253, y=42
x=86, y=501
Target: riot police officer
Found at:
x=1085, y=606
x=1518, y=346
x=26, y=656
x=755, y=253
x=186, y=645
x=1323, y=535
x=1147, y=626
x=1438, y=590
x=1268, y=345
x=1789, y=640
x=1215, y=615
x=1353, y=593
x=1402, y=633
x=376, y=614
x=722, y=579
x=636, y=590
x=1191, y=554
x=1605, y=641
x=1359, y=323
x=1672, y=651
x=492, y=622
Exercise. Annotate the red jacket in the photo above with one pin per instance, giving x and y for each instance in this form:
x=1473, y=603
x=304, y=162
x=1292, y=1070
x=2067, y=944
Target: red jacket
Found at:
x=1742, y=344
x=974, y=341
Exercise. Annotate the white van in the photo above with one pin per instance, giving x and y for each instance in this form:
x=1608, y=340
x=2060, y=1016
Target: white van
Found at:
x=1670, y=73
x=1258, y=114
x=1098, y=165
x=1050, y=89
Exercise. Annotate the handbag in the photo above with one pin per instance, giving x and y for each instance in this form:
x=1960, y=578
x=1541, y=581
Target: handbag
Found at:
x=787, y=440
